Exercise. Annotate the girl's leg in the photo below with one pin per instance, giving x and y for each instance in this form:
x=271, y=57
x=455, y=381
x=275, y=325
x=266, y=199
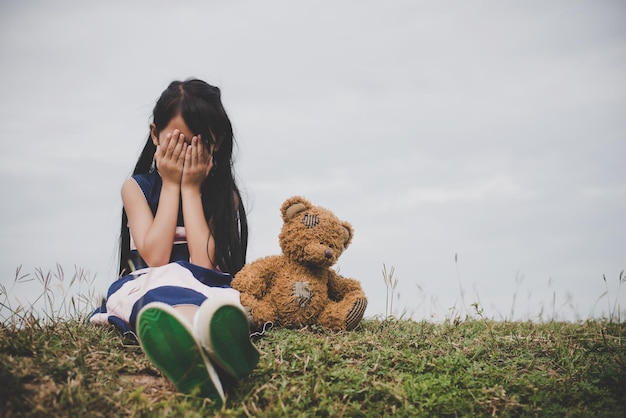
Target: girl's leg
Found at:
x=166, y=336
x=221, y=328
x=188, y=311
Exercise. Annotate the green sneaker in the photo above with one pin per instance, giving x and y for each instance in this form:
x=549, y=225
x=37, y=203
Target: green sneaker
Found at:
x=222, y=329
x=167, y=339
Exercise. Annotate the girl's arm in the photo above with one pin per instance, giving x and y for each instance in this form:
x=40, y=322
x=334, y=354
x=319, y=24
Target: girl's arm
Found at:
x=199, y=239
x=154, y=235
x=198, y=164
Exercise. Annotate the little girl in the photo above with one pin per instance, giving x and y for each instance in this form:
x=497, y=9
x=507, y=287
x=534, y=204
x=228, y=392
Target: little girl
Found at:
x=184, y=236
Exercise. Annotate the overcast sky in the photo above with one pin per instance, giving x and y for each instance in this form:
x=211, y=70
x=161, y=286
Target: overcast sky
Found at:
x=487, y=131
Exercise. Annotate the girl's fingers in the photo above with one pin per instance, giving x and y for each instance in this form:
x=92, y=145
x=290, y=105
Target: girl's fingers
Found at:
x=206, y=153
x=164, y=145
x=171, y=145
x=174, y=144
x=185, y=158
x=182, y=156
x=195, y=149
x=200, y=144
x=179, y=145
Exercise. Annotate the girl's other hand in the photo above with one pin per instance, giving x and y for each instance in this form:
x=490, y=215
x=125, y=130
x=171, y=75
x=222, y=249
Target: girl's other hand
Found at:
x=170, y=157
x=198, y=164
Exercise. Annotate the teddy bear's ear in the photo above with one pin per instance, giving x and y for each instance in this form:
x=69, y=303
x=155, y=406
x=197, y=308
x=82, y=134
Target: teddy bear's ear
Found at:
x=348, y=233
x=294, y=206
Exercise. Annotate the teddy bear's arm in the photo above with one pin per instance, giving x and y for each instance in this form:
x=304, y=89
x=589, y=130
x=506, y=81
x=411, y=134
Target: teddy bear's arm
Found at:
x=256, y=278
x=340, y=287
x=253, y=282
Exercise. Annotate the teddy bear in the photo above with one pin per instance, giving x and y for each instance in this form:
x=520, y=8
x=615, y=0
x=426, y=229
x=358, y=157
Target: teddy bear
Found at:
x=299, y=287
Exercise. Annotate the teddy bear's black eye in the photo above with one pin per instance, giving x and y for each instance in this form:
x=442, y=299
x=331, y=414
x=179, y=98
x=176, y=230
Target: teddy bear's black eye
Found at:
x=310, y=220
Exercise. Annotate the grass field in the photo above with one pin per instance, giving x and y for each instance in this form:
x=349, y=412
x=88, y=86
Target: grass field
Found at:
x=56, y=366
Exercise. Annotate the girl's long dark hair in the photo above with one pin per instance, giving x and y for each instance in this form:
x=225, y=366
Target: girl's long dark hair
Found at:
x=201, y=107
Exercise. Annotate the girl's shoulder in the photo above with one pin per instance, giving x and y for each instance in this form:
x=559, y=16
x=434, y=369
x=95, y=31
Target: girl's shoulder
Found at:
x=150, y=185
x=148, y=181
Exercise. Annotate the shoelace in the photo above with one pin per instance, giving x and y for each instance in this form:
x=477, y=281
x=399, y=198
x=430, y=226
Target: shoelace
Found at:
x=266, y=327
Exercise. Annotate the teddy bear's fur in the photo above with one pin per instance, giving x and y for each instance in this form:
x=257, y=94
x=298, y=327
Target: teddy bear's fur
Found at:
x=299, y=288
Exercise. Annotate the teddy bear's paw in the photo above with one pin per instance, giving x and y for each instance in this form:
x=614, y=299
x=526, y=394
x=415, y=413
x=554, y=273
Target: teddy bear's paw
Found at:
x=356, y=313
x=251, y=322
x=302, y=294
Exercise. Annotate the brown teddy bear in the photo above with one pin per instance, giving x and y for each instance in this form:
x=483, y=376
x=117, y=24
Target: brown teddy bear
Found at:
x=299, y=288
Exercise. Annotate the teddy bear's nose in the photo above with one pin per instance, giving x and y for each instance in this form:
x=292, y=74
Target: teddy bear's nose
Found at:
x=328, y=253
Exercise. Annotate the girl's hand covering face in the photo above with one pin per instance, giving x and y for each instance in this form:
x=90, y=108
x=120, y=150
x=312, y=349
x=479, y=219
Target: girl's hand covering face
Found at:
x=170, y=157
x=198, y=161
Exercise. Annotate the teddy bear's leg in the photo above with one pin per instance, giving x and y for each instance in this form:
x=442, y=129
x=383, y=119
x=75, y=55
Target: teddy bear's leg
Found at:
x=356, y=313
x=344, y=315
x=259, y=312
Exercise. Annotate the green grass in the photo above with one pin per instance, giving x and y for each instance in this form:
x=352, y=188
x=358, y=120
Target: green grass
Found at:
x=55, y=365
x=384, y=368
